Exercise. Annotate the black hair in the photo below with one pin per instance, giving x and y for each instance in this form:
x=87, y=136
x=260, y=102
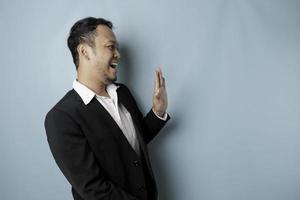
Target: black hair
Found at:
x=84, y=31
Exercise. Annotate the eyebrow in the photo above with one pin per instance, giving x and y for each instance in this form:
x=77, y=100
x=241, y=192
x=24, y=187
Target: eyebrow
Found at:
x=112, y=41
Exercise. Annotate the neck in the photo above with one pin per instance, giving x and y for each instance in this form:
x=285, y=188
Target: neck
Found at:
x=95, y=85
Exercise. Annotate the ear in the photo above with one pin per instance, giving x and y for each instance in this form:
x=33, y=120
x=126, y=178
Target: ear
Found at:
x=83, y=51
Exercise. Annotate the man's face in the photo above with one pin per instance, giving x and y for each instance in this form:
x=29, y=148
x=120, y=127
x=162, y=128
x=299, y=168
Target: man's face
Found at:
x=105, y=56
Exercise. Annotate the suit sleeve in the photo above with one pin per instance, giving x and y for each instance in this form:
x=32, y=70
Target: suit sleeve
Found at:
x=75, y=159
x=150, y=123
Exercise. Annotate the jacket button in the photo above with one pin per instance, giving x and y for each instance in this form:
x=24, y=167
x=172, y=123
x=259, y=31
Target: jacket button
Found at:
x=136, y=163
x=142, y=189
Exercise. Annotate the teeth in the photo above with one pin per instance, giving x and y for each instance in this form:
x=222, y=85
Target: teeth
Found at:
x=113, y=65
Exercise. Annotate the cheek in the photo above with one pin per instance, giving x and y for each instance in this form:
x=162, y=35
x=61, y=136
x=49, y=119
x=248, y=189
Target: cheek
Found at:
x=102, y=60
x=100, y=63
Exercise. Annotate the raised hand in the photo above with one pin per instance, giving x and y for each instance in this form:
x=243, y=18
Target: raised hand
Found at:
x=160, y=99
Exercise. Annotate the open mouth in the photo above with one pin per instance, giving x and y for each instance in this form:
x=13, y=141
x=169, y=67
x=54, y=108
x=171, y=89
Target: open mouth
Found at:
x=114, y=65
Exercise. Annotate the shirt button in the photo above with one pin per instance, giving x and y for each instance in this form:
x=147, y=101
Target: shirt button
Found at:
x=136, y=163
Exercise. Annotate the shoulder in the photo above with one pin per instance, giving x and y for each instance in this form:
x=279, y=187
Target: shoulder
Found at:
x=67, y=105
x=123, y=88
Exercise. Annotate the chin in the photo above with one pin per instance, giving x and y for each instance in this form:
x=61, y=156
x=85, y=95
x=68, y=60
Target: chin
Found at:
x=110, y=79
x=113, y=80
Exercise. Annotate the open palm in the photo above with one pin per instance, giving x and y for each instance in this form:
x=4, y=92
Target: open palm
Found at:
x=160, y=99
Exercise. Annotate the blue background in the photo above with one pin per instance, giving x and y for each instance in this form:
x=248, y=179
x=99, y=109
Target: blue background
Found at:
x=233, y=79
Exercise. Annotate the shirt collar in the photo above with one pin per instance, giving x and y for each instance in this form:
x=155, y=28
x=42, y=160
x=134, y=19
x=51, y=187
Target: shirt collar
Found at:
x=87, y=94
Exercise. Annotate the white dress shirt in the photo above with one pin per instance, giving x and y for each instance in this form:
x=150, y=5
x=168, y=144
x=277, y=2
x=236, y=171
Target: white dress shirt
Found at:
x=118, y=112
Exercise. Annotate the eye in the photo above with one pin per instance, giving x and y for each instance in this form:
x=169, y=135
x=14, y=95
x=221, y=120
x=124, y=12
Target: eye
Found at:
x=111, y=47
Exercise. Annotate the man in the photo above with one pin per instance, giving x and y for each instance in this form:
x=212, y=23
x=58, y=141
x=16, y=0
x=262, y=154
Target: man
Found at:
x=96, y=132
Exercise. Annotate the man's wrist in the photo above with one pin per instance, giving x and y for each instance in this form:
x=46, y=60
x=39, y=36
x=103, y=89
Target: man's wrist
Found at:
x=162, y=116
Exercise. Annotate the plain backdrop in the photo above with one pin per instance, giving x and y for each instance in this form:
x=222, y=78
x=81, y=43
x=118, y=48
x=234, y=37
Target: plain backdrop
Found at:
x=232, y=70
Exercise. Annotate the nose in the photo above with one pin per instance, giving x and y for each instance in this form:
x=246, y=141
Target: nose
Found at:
x=117, y=54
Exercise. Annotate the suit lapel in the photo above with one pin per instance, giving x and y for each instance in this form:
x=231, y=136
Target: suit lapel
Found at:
x=94, y=111
x=122, y=98
x=136, y=122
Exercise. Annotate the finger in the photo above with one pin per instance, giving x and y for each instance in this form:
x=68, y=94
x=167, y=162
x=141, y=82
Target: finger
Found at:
x=161, y=78
x=157, y=80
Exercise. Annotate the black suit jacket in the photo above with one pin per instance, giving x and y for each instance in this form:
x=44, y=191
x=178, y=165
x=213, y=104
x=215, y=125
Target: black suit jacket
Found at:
x=93, y=153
